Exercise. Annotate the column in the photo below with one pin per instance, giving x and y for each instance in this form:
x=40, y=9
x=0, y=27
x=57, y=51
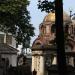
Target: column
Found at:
x=71, y=61
x=38, y=65
x=42, y=65
x=33, y=63
x=5, y=38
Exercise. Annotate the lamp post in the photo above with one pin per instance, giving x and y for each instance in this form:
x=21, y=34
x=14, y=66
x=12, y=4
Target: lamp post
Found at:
x=61, y=58
x=71, y=14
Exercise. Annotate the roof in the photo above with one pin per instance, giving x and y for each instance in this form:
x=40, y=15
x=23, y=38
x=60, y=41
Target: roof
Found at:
x=44, y=47
x=6, y=49
x=43, y=43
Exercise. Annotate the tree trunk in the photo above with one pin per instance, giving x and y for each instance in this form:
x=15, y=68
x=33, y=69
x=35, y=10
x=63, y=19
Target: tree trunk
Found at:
x=61, y=59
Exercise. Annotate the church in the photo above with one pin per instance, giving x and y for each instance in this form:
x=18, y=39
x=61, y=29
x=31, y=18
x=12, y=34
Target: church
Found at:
x=44, y=46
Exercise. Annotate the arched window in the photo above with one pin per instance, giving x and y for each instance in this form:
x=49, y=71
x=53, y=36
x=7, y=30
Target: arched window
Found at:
x=66, y=28
x=53, y=28
x=38, y=43
x=71, y=29
x=74, y=31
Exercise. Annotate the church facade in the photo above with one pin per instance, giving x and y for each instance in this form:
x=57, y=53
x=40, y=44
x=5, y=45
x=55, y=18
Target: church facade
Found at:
x=44, y=47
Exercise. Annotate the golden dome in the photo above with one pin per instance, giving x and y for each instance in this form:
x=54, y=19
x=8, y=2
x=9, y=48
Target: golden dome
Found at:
x=51, y=17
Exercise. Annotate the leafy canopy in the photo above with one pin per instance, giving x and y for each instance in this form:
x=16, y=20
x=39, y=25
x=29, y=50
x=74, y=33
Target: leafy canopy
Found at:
x=15, y=18
x=46, y=5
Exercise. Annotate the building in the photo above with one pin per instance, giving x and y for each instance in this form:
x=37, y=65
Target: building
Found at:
x=8, y=51
x=44, y=47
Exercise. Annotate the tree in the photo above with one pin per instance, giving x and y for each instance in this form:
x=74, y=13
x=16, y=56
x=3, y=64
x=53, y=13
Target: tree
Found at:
x=15, y=18
x=57, y=6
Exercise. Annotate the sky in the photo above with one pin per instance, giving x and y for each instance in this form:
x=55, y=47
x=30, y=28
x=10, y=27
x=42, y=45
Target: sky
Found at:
x=37, y=16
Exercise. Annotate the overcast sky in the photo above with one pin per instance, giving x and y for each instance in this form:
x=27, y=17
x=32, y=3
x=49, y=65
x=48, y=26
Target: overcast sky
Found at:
x=37, y=16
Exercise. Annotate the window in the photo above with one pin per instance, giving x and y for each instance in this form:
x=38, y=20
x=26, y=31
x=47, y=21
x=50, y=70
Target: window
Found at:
x=74, y=31
x=66, y=28
x=9, y=39
x=1, y=38
x=53, y=28
x=38, y=43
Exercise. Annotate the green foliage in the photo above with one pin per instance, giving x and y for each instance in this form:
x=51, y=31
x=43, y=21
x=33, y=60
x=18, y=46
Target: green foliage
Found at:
x=48, y=6
x=15, y=18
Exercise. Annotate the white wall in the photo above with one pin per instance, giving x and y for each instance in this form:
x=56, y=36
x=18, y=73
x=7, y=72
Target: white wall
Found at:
x=13, y=42
x=12, y=59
